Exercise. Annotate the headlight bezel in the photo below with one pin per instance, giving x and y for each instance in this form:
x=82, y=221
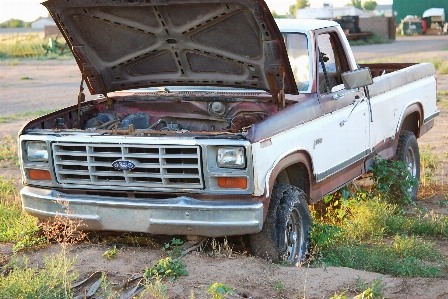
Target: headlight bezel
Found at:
x=239, y=157
x=36, y=151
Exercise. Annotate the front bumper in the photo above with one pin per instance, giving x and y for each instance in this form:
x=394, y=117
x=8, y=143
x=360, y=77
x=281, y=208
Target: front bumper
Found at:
x=175, y=216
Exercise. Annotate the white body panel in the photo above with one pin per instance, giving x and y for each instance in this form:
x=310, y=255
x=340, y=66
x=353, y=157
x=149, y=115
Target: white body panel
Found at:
x=341, y=144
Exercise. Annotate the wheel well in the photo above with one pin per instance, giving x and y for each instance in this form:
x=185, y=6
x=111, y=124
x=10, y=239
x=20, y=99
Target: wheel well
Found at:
x=411, y=123
x=296, y=175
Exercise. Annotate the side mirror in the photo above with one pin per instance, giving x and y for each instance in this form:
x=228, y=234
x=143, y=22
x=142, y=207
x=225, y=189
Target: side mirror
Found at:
x=357, y=78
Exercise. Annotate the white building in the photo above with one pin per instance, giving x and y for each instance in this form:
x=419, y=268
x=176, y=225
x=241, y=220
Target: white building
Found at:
x=383, y=10
x=43, y=22
x=330, y=12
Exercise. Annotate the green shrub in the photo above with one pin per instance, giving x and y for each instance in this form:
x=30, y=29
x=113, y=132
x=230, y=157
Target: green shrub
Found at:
x=392, y=181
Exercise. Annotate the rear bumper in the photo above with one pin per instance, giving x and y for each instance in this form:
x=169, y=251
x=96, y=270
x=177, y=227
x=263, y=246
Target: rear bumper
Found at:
x=175, y=216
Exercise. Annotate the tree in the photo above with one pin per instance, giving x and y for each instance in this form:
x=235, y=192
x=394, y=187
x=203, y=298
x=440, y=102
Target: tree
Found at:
x=299, y=4
x=277, y=16
x=355, y=3
x=14, y=23
x=370, y=5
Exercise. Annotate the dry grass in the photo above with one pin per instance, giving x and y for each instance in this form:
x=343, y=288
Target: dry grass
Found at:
x=21, y=46
x=28, y=46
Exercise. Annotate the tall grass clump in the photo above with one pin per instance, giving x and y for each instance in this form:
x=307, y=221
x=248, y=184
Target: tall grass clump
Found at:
x=51, y=282
x=16, y=226
x=369, y=229
x=440, y=65
x=28, y=46
x=8, y=152
x=429, y=161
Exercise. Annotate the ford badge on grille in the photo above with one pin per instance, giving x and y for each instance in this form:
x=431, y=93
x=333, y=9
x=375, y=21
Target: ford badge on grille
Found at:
x=123, y=165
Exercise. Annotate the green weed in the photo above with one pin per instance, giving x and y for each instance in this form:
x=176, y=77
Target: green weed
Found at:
x=110, y=253
x=25, y=78
x=171, y=266
x=219, y=290
x=167, y=267
x=279, y=286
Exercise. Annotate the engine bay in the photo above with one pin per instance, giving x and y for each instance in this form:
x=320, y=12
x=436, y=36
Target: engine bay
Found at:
x=144, y=114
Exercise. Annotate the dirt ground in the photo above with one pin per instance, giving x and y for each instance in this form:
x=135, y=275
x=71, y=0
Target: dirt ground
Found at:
x=55, y=84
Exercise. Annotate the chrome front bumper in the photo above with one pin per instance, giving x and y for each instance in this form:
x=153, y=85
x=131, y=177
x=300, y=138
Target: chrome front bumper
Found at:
x=175, y=216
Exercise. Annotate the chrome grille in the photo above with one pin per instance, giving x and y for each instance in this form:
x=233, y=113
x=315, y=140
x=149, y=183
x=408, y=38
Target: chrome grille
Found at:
x=156, y=166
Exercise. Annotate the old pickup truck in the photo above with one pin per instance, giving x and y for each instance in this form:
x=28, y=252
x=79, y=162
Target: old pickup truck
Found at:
x=215, y=120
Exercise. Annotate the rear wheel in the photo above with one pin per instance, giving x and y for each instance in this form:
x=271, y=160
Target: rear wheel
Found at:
x=284, y=236
x=408, y=152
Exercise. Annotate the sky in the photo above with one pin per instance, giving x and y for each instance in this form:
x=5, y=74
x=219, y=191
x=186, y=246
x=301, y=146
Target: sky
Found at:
x=30, y=10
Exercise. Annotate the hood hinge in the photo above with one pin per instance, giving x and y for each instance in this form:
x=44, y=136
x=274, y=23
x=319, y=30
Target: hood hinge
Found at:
x=278, y=94
x=109, y=101
x=81, y=95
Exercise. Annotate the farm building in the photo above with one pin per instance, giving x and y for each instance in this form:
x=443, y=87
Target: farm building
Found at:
x=41, y=23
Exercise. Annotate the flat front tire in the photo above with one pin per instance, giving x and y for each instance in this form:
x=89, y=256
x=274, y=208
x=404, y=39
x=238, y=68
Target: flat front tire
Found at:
x=284, y=236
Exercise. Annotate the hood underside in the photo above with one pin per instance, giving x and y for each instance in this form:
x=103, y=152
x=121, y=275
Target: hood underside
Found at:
x=124, y=44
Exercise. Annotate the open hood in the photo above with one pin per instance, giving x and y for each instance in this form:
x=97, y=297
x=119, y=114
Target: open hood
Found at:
x=124, y=44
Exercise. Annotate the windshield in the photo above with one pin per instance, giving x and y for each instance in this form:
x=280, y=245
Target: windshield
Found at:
x=297, y=48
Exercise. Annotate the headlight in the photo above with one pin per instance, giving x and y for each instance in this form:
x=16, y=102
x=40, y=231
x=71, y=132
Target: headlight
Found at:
x=37, y=151
x=231, y=157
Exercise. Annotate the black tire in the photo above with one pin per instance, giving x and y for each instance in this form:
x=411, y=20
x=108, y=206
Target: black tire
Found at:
x=284, y=236
x=408, y=152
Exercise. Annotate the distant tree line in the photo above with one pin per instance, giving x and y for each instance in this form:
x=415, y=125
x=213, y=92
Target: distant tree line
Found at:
x=15, y=23
x=368, y=5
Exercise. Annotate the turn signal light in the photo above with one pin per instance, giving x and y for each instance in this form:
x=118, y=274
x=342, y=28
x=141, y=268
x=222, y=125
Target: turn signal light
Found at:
x=232, y=183
x=41, y=175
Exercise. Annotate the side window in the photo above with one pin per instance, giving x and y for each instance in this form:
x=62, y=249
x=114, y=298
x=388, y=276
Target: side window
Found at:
x=331, y=63
x=297, y=48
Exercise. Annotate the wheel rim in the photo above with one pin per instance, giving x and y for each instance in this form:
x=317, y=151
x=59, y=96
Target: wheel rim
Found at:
x=410, y=162
x=294, y=237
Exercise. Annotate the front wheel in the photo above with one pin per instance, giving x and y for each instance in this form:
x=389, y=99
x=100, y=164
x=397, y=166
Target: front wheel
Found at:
x=408, y=152
x=284, y=236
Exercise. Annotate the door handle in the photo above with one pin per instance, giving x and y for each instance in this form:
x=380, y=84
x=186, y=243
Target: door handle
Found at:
x=339, y=96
